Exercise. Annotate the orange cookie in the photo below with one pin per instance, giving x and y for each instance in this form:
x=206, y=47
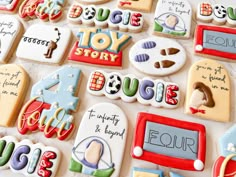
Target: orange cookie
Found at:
x=14, y=82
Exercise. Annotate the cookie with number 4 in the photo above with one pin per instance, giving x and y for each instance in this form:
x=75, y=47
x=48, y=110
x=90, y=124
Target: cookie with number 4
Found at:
x=52, y=101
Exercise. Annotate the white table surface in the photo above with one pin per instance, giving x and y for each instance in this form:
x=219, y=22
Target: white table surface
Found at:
x=214, y=129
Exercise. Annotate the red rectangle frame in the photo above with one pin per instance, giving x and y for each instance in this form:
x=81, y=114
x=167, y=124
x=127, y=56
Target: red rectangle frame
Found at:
x=164, y=160
x=212, y=52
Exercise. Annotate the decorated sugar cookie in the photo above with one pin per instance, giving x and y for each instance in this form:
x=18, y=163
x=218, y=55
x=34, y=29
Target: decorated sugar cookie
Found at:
x=103, y=129
x=44, y=43
x=157, y=56
x=14, y=83
x=93, y=1
x=104, y=17
x=142, y=172
x=9, y=6
x=98, y=47
x=217, y=13
x=10, y=31
x=52, y=101
x=169, y=142
x=27, y=158
x=215, y=42
x=225, y=165
x=138, y=5
x=129, y=88
x=46, y=10
x=208, y=83
x=173, y=18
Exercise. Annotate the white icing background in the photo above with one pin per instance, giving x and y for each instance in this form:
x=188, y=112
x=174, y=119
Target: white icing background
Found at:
x=214, y=129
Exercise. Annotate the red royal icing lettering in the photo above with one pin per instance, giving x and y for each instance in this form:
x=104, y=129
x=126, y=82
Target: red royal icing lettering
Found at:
x=171, y=94
x=135, y=19
x=45, y=163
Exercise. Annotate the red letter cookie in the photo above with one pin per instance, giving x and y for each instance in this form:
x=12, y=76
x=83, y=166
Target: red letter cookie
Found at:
x=52, y=100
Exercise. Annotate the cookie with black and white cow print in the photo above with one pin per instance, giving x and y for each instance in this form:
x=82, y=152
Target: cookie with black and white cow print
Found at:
x=157, y=56
x=220, y=14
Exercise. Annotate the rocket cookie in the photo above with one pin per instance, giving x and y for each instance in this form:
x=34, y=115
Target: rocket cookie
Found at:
x=103, y=17
x=28, y=158
x=225, y=165
x=173, y=18
x=44, y=43
x=52, y=101
x=137, y=5
x=129, y=88
x=208, y=83
x=14, y=83
x=46, y=10
x=100, y=141
x=98, y=47
x=157, y=56
x=10, y=33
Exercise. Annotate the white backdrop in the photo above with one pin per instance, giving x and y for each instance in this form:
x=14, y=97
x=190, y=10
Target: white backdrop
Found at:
x=214, y=129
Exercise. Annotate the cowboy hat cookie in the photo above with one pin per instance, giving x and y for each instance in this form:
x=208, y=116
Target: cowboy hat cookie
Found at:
x=27, y=158
x=216, y=13
x=103, y=17
x=208, y=83
x=14, y=82
x=98, y=47
x=44, y=43
x=215, y=42
x=46, y=10
x=52, y=101
x=100, y=141
x=129, y=88
x=173, y=18
x=169, y=142
x=225, y=164
x=138, y=5
x=10, y=33
x=150, y=57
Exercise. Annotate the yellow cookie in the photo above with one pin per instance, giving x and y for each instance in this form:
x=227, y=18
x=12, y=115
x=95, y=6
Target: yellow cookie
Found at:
x=208, y=91
x=14, y=83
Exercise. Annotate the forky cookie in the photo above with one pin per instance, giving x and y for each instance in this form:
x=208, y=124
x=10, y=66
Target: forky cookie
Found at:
x=201, y=95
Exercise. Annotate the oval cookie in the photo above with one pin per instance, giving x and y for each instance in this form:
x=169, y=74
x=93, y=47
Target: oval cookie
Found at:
x=157, y=56
x=14, y=83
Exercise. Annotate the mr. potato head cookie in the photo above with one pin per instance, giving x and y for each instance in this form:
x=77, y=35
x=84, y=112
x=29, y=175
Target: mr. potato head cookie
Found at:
x=157, y=56
x=51, y=103
x=14, y=82
x=208, y=91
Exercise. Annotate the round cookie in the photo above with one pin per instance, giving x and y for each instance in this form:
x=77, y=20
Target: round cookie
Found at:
x=157, y=56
